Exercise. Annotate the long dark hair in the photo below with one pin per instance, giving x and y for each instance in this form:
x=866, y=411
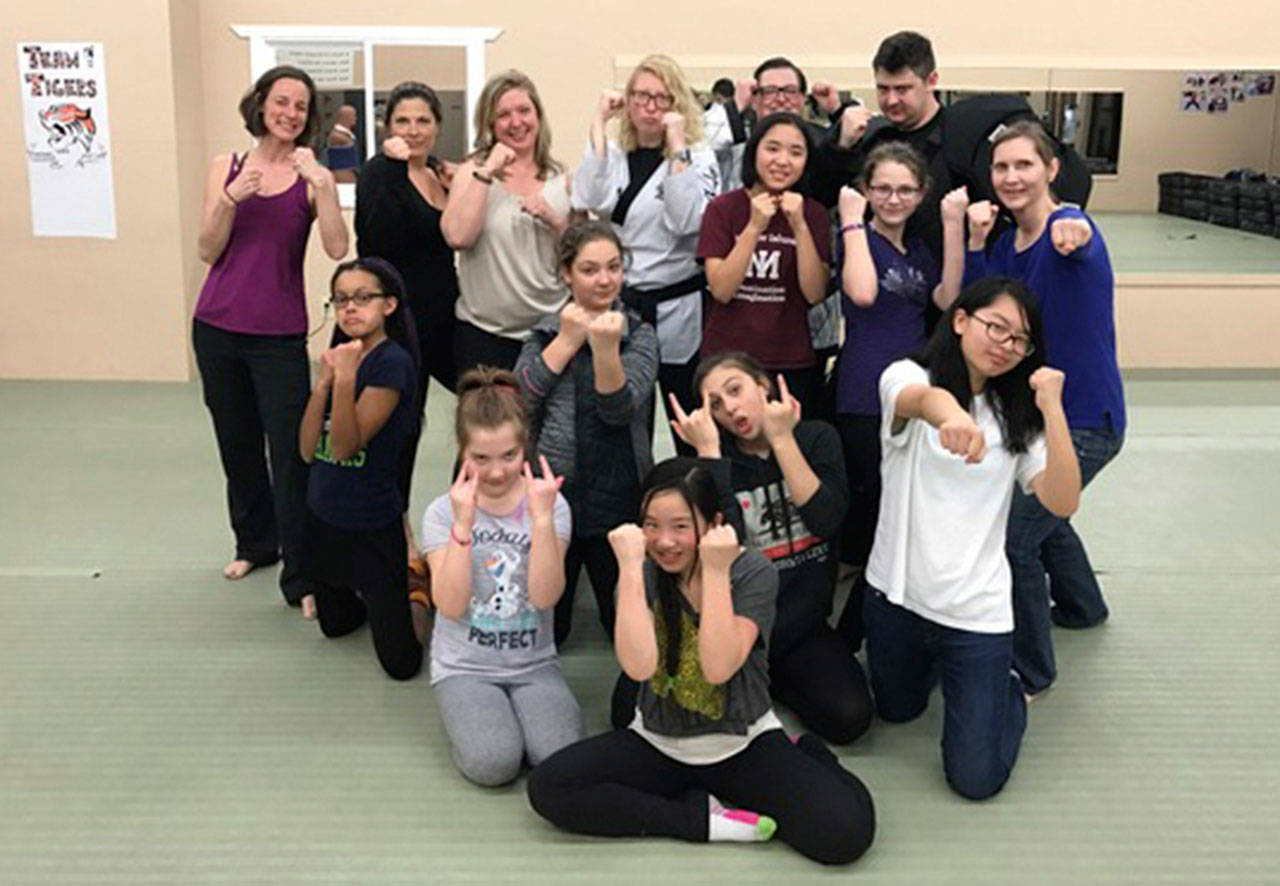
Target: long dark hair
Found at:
x=697, y=487
x=759, y=131
x=399, y=323
x=1010, y=394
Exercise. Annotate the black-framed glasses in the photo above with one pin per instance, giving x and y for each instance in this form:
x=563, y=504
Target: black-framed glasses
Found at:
x=906, y=192
x=771, y=91
x=1001, y=334
x=338, y=302
x=661, y=100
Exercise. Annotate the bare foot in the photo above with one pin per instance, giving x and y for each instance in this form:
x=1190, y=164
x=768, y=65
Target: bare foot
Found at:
x=237, y=569
x=309, y=607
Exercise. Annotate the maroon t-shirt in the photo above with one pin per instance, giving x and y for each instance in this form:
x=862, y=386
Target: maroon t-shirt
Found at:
x=768, y=316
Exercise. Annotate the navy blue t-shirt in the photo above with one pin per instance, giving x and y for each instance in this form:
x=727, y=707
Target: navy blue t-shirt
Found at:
x=1077, y=298
x=891, y=328
x=362, y=492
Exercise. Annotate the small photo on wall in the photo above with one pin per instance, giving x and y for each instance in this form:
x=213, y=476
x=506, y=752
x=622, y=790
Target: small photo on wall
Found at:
x=1261, y=84
x=1237, y=95
x=1193, y=101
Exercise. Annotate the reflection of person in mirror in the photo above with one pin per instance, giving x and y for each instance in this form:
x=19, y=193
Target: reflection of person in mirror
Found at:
x=342, y=154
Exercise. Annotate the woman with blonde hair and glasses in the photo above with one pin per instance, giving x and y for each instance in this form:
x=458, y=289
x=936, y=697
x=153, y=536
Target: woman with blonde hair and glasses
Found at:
x=508, y=206
x=653, y=182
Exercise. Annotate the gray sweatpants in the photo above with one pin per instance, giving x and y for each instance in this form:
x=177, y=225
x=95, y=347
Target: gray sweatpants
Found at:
x=493, y=724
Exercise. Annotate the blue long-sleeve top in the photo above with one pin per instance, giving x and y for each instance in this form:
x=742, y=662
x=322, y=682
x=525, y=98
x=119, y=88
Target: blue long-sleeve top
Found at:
x=1076, y=294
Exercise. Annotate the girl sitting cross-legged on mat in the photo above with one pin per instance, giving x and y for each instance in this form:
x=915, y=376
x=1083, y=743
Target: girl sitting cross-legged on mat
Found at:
x=705, y=758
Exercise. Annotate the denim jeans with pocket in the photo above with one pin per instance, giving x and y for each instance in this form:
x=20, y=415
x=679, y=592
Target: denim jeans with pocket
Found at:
x=1041, y=545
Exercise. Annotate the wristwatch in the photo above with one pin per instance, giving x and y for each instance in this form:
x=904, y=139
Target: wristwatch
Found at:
x=684, y=156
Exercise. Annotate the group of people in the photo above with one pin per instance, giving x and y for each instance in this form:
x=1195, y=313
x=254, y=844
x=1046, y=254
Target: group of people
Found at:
x=974, y=393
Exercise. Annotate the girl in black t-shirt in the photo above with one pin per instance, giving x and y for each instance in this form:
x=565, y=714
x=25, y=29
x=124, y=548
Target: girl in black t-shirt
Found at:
x=357, y=422
x=694, y=616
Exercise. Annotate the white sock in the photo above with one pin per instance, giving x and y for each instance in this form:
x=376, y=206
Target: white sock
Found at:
x=737, y=825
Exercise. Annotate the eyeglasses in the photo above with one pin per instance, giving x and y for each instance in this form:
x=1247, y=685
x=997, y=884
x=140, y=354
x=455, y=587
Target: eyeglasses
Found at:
x=771, y=91
x=661, y=100
x=1001, y=334
x=884, y=192
x=338, y=302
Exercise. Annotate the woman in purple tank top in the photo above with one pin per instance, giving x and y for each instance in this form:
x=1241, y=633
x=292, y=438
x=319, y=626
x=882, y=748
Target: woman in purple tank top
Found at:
x=251, y=319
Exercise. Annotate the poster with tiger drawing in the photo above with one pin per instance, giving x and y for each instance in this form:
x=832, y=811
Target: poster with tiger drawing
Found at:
x=67, y=139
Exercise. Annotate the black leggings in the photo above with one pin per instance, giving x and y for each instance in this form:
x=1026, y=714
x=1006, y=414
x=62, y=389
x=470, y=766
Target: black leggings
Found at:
x=677, y=378
x=361, y=575
x=860, y=438
x=821, y=681
x=596, y=554
x=619, y=785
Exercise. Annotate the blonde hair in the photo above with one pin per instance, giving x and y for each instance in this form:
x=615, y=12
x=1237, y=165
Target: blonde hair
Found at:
x=666, y=69
x=487, y=114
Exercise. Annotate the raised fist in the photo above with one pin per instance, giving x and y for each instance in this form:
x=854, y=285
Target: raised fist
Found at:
x=982, y=216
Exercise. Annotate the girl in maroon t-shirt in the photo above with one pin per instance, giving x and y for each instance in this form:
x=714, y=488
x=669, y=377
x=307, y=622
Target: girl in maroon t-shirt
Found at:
x=767, y=248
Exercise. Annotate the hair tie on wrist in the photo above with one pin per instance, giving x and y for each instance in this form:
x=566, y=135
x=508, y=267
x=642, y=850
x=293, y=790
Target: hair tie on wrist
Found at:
x=853, y=226
x=459, y=541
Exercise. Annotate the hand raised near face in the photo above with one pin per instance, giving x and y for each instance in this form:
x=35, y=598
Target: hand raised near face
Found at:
x=853, y=125
x=826, y=95
x=1048, y=382
x=396, y=148
x=605, y=332
x=500, y=157
x=955, y=205
x=541, y=491
x=574, y=320
x=718, y=548
x=763, y=209
x=344, y=358
x=627, y=542
x=792, y=206
x=782, y=415
x=304, y=161
x=853, y=205
x=462, y=496
x=982, y=217
x=673, y=127
x=697, y=428
x=610, y=105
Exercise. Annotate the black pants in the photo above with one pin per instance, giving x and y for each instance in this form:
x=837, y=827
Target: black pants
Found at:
x=362, y=575
x=821, y=681
x=860, y=437
x=256, y=387
x=473, y=347
x=619, y=785
x=602, y=569
x=677, y=378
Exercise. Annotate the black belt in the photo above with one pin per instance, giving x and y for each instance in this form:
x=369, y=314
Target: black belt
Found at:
x=645, y=301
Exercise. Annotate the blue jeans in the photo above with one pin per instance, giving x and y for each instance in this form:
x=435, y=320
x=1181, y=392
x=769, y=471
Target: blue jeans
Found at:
x=1039, y=543
x=985, y=710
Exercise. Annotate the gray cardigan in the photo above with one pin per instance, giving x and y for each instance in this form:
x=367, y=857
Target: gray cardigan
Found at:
x=553, y=400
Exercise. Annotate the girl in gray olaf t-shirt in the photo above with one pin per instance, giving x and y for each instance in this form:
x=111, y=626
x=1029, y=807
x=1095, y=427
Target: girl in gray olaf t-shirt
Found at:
x=495, y=544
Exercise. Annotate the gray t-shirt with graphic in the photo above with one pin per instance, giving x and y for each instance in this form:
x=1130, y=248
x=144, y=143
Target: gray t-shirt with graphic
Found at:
x=501, y=635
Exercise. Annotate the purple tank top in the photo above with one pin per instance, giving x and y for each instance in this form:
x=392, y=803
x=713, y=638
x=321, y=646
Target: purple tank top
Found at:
x=256, y=285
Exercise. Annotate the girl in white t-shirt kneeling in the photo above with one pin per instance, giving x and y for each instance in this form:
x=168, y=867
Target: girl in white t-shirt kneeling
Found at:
x=975, y=412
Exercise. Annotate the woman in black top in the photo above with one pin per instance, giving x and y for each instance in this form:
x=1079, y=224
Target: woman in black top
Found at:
x=399, y=200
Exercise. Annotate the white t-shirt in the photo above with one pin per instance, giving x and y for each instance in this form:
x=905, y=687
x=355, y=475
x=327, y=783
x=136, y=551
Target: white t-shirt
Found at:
x=939, y=546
